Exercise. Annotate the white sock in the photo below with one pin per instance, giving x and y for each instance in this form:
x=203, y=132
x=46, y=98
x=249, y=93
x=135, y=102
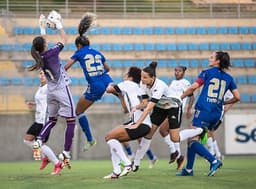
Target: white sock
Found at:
x=29, y=143
x=115, y=162
x=142, y=149
x=189, y=133
x=117, y=147
x=216, y=149
x=170, y=144
x=210, y=145
x=47, y=151
x=177, y=147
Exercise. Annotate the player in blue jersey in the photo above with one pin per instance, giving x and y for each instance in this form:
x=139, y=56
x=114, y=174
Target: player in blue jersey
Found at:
x=95, y=69
x=209, y=107
x=59, y=98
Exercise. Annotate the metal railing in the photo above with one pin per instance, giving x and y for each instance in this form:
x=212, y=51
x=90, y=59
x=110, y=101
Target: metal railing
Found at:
x=130, y=8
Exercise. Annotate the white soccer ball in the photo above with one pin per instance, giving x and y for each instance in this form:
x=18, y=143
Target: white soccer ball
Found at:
x=61, y=156
x=50, y=24
x=52, y=18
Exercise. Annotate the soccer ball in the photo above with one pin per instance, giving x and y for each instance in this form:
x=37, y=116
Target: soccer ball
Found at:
x=52, y=18
x=61, y=157
x=50, y=24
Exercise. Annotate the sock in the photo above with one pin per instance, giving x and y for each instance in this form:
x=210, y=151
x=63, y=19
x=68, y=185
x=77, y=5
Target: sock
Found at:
x=191, y=155
x=69, y=134
x=210, y=145
x=47, y=151
x=85, y=126
x=128, y=149
x=116, y=146
x=115, y=162
x=202, y=151
x=143, y=147
x=29, y=143
x=170, y=144
x=189, y=133
x=47, y=128
x=216, y=149
x=177, y=147
x=150, y=154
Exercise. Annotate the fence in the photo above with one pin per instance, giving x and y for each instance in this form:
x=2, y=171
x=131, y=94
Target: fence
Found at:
x=132, y=8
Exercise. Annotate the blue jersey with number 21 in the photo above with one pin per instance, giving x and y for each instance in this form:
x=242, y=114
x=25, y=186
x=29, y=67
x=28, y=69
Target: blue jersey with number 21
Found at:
x=209, y=106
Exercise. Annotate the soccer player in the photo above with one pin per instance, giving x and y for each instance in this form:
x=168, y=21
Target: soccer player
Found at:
x=59, y=97
x=177, y=87
x=209, y=107
x=95, y=69
x=40, y=103
x=129, y=93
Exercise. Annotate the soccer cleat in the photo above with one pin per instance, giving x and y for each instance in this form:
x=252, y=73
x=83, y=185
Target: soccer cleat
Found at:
x=127, y=169
x=65, y=158
x=88, y=145
x=204, y=136
x=184, y=172
x=57, y=168
x=152, y=163
x=214, y=167
x=45, y=162
x=111, y=176
x=135, y=168
x=173, y=156
x=180, y=161
x=37, y=150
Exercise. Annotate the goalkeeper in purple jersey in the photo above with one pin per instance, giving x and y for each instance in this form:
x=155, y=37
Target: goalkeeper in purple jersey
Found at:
x=59, y=98
x=95, y=69
x=208, y=110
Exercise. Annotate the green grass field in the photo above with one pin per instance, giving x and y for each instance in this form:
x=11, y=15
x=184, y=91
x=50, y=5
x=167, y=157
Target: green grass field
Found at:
x=237, y=173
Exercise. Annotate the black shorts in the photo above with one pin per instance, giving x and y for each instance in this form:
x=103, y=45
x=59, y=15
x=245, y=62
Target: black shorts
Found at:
x=174, y=116
x=35, y=130
x=138, y=132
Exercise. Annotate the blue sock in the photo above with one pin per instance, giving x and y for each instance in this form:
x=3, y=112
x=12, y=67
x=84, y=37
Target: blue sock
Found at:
x=202, y=151
x=150, y=154
x=85, y=126
x=191, y=155
x=128, y=150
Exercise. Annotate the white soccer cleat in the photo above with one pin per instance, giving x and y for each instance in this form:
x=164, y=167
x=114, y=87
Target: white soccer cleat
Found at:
x=126, y=171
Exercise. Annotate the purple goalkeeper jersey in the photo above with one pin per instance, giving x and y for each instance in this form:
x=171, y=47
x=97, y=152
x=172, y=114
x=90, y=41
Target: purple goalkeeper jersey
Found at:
x=55, y=73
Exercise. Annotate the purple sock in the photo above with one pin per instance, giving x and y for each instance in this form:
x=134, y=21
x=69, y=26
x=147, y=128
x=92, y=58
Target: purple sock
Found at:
x=47, y=129
x=69, y=134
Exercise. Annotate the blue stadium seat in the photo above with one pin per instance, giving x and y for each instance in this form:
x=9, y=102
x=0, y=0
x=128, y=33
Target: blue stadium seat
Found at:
x=246, y=98
x=18, y=47
x=224, y=46
x=106, y=47
x=6, y=47
x=241, y=79
x=16, y=81
x=190, y=30
x=171, y=63
x=4, y=81
x=182, y=46
x=74, y=81
x=94, y=31
x=115, y=64
x=253, y=97
x=140, y=63
x=203, y=46
x=137, y=30
x=138, y=47
x=127, y=30
x=252, y=79
x=36, y=81
x=82, y=81
x=171, y=47
x=127, y=63
x=246, y=46
x=243, y=30
x=237, y=63
x=28, y=81
x=249, y=63
x=117, y=47
x=232, y=30
x=28, y=30
x=105, y=30
x=204, y=63
x=201, y=30
x=128, y=47
x=192, y=46
x=159, y=30
x=214, y=46
x=96, y=46
x=75, y=98
x=117, y=79
x=160, y=46
x=222, y=30
x=170, y=30
x=71, y=47
x=148, y=31
x=149, y=46
x=161, y=63
x=116, y=30
x=254, y=45
x=193, y=63
x=27, y=46
x=27, y=63
x=109, y=99
x=235, y=46
x=180, y=31
x=184, y=62
x=71, y=30
x=252, y=30
x=17, y=30
x=212, y=30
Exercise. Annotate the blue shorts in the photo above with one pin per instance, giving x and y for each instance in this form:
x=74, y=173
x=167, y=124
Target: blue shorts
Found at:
x=97, y=87
x=206, y=119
